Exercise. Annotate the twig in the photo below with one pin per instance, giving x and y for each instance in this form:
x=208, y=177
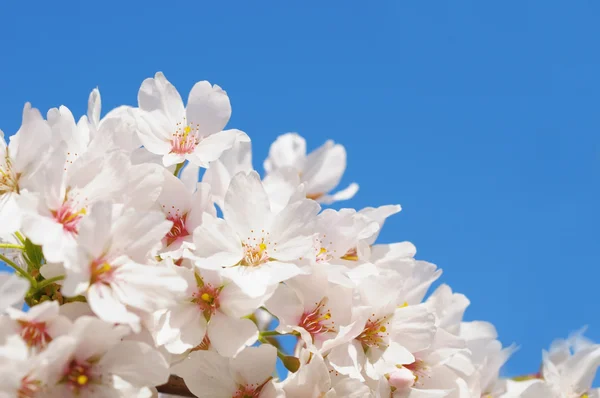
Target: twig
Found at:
x=175, y=386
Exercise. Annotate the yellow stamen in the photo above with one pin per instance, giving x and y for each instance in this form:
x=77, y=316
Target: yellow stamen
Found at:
x=382, y=329
x=262, y=247
x=206, y=297
x=82, y=380
x=403, y=305
x=105, y=267
x=81, y=212
x=323, y=250
x=186, y=131
x=350, y=257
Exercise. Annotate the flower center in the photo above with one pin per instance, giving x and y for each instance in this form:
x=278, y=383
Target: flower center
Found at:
x=351, y=255
x=8, y=179
x=101, y=272
x=323, y=255
x=375, y=332
x=204, y=346
x=249, y=390
x=255, y=255
x=178, y=230
x=185, y=138
x=34, y=334
x=29, y=388
x=77, y=376
x=69, y=217
x=207, y=298
x=418, y=368
x=318, y=320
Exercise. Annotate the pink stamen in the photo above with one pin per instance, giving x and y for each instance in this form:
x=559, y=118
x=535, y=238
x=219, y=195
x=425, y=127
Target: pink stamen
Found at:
x=34, y=334
x=178, y=230
x=69, y=217
x=318, y=320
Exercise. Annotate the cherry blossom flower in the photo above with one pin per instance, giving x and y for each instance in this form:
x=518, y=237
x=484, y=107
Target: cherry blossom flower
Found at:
x=320, y=170
x=256, y=247
x=179, y=133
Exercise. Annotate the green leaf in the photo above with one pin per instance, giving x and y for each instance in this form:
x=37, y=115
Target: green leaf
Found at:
x=33, y=255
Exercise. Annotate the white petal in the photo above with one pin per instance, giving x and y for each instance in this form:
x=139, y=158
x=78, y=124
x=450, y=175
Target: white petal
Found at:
x=287, y=150
x=324, y=168
x=160, y=94
x=137, y=363
x=254, y=365
x=286, y=306
x=217, y=245
x=344, y=194
x=293, y=230
x=208, y=107
x=107, y=307
x=207, y=375
x=230, y=335
x=210, y=148
x=12, y=290
x=246, y=204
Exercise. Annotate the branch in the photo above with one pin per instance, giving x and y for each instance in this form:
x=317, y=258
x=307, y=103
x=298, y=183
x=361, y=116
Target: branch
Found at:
x=175, y=386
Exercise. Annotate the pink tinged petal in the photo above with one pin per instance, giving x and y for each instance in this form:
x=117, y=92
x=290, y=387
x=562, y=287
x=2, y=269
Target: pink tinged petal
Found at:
x=208, y=107
x=210, y=148
x=247, y=204
x=229, y=336
x=12, y=290
x=207, y=375
x=255, y=365
x=107, y=307
x=160, y=94
x=344, y=194
x=287, y=150
x=217, y=245
x=286, y=306
x=137, y=363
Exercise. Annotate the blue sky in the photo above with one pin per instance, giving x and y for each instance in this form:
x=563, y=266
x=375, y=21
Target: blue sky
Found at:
x=480, y=118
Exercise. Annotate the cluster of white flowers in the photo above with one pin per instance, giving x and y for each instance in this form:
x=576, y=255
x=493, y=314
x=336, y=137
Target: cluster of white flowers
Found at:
x=131, y=274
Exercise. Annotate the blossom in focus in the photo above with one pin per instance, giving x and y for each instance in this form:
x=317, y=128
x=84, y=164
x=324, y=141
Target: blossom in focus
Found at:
x=253, y=246
x=177, y=132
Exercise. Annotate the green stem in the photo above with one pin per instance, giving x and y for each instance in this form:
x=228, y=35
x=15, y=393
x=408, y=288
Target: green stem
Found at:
x=11, y=246
x=178, y=169
x=20, y=237
x=271, y=333
x=47, y=282
x=20, y=271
